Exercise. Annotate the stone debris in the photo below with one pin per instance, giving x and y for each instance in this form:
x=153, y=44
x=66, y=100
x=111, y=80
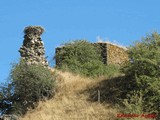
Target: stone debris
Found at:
x=32, y=50
x=9, y=117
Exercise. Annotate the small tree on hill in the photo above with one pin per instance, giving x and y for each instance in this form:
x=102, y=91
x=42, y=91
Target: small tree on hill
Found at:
x=28, y=84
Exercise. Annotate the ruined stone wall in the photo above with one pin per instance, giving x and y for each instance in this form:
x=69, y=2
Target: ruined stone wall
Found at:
x=103, y=48
x=113, y=54
x=116, y=55
x=32, y=50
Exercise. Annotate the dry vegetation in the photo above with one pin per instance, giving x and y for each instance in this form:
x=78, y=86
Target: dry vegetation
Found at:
x=70, y=103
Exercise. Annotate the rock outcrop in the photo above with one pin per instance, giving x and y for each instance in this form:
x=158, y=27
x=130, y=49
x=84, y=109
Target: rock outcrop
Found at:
x=32, y=50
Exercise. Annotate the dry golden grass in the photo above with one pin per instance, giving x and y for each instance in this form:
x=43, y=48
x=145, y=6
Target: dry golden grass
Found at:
x=70, y=104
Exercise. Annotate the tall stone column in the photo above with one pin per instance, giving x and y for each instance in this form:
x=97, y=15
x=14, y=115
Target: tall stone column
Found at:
x=32, y=50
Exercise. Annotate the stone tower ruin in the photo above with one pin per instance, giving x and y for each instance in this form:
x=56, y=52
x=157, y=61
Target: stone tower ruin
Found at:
x=32, y=50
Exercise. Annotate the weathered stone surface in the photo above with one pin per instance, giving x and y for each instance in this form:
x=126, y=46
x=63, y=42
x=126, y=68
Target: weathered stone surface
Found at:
x=113, y=54
x=32, y=50
x=9, y=117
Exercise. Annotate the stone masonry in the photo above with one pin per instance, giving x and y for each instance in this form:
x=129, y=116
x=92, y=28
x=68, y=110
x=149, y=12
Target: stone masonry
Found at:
x=111, y=53
x=32, y=50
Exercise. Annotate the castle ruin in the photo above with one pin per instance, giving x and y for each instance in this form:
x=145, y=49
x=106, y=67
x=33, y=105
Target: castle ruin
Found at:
x=110, y=53
x=32, y=50
x=113, y=54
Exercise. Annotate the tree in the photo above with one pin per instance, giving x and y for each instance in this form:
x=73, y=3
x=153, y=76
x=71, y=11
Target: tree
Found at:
x=144, y=72
x=27, y=86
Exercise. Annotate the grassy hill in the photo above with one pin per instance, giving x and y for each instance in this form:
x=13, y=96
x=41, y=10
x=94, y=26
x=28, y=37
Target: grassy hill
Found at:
x=71, y=103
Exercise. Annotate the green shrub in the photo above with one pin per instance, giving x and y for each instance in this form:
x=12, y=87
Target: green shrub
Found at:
x=6, y=96
x=144, y=72
x=83, y=58
x=111, y=70
x=29, y=83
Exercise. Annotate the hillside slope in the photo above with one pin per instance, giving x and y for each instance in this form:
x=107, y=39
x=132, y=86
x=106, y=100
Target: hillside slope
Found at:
x=70, y=103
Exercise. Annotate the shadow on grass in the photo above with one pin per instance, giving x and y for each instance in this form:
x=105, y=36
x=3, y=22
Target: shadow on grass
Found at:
x=111, y=90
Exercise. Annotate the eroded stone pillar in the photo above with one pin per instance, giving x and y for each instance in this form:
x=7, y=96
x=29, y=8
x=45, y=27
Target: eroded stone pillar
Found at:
x=32, y=50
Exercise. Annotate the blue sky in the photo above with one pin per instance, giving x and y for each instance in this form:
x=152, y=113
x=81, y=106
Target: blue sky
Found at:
x=123, y=21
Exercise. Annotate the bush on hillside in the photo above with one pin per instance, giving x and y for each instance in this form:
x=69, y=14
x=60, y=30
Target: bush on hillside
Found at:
x=83, y=58
x=6, y=95
x=144, y=73
x=28, y=85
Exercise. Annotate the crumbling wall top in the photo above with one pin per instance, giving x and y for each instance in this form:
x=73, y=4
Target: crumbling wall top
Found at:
x=117, y=45
x=32, y=50
x=35, y=30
